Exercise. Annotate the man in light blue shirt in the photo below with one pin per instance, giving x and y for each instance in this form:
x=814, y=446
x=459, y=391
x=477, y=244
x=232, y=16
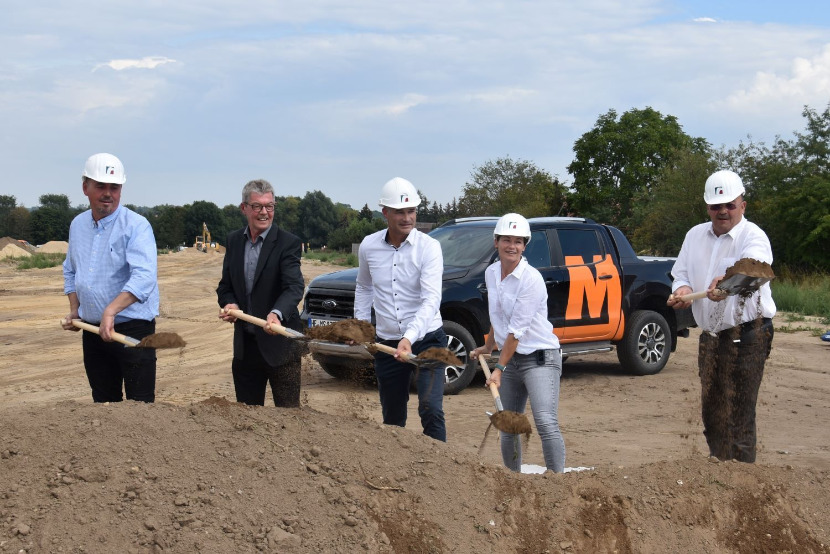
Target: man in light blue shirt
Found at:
x=111, y=279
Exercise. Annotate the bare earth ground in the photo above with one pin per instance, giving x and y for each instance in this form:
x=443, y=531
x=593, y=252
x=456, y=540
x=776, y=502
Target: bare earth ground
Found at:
x=196, y=472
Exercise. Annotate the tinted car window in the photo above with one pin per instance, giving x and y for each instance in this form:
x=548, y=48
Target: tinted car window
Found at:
x=582, y=243
x=464, y=246
x=538, y=251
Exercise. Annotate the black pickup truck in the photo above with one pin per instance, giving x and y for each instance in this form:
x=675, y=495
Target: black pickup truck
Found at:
x=601, y=295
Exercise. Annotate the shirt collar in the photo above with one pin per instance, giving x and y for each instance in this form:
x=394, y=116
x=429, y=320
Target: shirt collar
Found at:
x=733, y=232
x=105, y=221
x=410, y=238
x=262, y=235
x=520, y=269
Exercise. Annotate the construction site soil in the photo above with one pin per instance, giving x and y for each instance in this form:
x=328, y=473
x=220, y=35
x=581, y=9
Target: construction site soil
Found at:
x=196, y=472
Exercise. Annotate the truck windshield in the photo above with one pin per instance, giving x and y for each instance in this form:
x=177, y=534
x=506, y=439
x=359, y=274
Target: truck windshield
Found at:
x=464, y=246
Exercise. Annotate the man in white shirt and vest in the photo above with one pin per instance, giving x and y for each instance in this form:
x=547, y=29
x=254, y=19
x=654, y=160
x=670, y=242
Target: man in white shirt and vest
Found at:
x=399, y=275
x=737, y=330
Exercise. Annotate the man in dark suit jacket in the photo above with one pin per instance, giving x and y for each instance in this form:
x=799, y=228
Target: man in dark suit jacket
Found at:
x=261, y=276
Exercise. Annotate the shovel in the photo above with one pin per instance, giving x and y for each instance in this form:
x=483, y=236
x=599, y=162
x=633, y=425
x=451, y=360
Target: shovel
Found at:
x=504, y=420
x=157, y=340
x=743, y=278
x=425, y=360
x=276, y=327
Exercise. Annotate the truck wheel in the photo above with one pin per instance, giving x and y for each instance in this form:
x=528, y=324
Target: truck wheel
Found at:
x=461, y=343
x=646, y=345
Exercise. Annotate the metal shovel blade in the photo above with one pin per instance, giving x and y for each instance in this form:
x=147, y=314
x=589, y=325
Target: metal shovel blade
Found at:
x=742, y=284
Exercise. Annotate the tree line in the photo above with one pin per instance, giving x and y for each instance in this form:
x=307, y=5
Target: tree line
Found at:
x=638, y=171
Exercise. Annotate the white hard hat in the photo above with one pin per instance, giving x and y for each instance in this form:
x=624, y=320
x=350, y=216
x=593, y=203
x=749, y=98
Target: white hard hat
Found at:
x=512, y=225
x=105, y=168
x=399, y=193
x=723, y=186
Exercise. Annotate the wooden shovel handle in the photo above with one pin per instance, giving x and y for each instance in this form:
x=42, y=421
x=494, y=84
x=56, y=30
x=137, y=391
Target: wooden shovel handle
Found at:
x=494, y=390
x=700, y=294
x=391, y=351
x=117, y=337
x=276, y=327
x=689, y=297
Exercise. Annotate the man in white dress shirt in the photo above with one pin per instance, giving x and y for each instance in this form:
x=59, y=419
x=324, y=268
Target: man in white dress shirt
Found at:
x=399, y=275
x=737, y=330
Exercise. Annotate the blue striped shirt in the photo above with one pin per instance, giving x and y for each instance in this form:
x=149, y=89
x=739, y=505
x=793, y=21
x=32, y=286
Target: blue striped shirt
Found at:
x=117, y=254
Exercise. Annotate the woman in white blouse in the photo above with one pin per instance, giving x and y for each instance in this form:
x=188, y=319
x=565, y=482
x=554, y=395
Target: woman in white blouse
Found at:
x=530, y=361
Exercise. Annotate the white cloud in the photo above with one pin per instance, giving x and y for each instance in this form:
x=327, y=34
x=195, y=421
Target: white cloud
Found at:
x=149, y=62
x=807, y=82
x=704, y=20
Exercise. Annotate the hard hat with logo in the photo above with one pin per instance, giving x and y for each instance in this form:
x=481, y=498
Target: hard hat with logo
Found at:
x=399, y=193
x=723, y=186
x=105, y=168
x=512, y=225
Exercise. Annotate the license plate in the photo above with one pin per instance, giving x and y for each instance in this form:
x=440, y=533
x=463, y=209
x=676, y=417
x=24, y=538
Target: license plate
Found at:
x=319, y=322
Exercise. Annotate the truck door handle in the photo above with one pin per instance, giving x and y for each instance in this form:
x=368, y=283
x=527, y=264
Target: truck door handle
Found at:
x=482, y=288
x=552, y=282
x=604, y=277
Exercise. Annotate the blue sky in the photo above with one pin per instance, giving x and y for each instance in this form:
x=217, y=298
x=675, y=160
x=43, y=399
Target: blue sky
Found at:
x=198, y=97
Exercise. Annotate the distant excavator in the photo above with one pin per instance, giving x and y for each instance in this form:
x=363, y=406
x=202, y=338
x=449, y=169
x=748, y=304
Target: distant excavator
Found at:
x=203, y=241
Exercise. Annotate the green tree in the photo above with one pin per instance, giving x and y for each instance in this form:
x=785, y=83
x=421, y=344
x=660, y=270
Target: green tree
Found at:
x=317, y=218
x=49, y=223
x=788, y=186
x=619, y=159
x=18, y=224
x=7, y=204
x=234, y=219
x=505, y=185
x=366, y=213
x=58, y=201
x=342, y=238
x=204, y=212
x=287, y=214
x=674, y=205
x=169, y=227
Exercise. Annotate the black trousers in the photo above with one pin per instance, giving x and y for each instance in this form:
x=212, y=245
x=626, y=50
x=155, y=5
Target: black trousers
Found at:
x=252, y=373
x=731, y=366
x=111, y=365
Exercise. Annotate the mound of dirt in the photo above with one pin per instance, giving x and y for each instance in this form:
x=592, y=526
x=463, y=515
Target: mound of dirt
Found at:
x=12, y=248
x=216, y=476
x=55, y=247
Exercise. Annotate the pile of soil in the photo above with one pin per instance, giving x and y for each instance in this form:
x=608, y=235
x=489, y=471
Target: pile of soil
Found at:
x=12, y=248
x=163, y=340
x=217, y=476
x=355, y=330
x=55, y=246
x=750, y=267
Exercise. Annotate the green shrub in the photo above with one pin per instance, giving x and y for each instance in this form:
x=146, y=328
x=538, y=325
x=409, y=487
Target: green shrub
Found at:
x=803, y=293
x=41, y=260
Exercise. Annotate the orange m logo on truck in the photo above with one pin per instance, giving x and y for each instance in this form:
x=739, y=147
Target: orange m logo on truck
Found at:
x=594, y=302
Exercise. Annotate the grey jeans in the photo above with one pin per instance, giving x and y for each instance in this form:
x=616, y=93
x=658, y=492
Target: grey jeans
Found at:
x=525, y=378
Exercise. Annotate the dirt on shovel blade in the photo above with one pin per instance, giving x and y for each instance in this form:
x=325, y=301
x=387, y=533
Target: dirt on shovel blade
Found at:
x=162, y=340
x=751, y=268
x=343, y=331
x=440, y=354
x=511, y=422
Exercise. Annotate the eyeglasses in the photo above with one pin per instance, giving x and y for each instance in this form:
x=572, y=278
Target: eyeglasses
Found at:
x=258, y=207
x=718, y=207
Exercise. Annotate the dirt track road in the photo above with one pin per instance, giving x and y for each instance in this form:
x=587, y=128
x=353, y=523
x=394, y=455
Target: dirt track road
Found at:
x=607, y=418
